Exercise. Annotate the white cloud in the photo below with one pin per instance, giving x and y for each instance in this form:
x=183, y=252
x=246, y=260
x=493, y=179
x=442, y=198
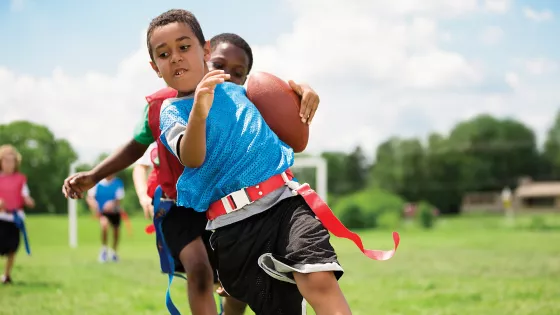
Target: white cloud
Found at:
x=492, y=35
x=540, y=66
x=497, y=6
x=534, y=15
x=17, y=5
x=378, y=66
x=512, y=79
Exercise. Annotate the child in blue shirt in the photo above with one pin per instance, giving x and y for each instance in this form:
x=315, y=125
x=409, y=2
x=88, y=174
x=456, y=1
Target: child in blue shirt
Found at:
x=104, y=201
x=271, y=251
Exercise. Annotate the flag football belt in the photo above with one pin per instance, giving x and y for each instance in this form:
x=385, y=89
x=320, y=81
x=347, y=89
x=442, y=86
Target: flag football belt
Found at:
x=323, y=212
x=243, y=197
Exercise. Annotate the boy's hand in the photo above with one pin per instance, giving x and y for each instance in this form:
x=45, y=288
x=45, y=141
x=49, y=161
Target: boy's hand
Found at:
x=146, y=203
x=109, y=207
x=29, y=202
x=204, y=94
x=309, y=101
x=76, y=184
x=1, y=204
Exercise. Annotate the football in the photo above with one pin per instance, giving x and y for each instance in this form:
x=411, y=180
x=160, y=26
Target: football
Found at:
x=279, y=105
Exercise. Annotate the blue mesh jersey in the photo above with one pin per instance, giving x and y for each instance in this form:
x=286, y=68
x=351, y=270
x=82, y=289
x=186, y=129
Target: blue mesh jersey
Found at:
x=241, y=149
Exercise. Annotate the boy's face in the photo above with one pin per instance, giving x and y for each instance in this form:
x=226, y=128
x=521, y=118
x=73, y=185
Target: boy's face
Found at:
x=232, y=59
x=178, y=56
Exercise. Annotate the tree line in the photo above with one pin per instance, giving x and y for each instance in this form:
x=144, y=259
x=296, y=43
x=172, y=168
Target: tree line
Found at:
x=484, y=153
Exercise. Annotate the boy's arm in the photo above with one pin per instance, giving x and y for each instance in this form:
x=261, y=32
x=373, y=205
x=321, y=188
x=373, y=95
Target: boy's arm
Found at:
x=119, y=196
x=91, y=202
x=139, y=177
x=187, y=141
x=76, y=184
x=29, y=202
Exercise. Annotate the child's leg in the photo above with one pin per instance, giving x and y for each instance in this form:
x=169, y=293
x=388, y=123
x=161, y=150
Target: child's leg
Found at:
x=322, y=292
x=11, y=257
x=104, y=223
x=182, y=229
x=258, y=256
x=10, y=239
x=233, y=306
x=116, y=225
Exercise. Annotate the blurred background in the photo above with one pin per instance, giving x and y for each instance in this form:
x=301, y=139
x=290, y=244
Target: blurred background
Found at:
x=439, y=119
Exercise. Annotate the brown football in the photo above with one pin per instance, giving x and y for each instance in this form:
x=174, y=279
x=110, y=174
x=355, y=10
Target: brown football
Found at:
x=279, y=105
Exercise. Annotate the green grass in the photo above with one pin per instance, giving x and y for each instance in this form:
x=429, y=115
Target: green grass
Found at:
x=471, y=265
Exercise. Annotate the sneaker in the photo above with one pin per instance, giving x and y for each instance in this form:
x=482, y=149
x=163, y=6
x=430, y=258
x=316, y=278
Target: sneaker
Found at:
x=114, y=257
x=6, y=279
x=103, y=256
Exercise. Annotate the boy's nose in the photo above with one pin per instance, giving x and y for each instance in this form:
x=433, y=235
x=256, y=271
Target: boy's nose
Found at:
x=176, y=59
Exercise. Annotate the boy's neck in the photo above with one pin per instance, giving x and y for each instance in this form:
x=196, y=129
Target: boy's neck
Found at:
x=184, y=94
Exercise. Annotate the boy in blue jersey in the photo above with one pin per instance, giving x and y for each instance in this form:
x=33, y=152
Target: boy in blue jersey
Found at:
x=104, y=201
x=271, y=250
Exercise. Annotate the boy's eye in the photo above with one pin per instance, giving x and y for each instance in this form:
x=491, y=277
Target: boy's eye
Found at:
x=184, y=47
x=217, y=65
x=163, y=55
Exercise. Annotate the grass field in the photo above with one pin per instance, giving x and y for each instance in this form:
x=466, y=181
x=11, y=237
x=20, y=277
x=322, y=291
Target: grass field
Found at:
x=473, y=265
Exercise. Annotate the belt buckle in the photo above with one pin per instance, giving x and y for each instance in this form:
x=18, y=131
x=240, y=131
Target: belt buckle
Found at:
x=239, y=198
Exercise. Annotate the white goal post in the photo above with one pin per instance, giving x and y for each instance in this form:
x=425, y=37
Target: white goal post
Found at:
x=73, y=216
x=319, y=163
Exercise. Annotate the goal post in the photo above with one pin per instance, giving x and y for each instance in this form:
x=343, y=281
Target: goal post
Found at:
x=320, y=166
x=72, y=216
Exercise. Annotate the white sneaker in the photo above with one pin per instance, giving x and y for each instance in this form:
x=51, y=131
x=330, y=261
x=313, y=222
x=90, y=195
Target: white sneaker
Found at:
x=103, y=256
x=113, y=255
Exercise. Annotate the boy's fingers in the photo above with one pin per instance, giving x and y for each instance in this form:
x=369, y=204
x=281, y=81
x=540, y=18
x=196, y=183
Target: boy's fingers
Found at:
x=212, y=82
x=295, y=87
x=304, y=108
x=212, y=73
x=314, y=105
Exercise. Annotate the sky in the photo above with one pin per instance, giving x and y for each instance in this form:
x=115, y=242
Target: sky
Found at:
x=381, y=68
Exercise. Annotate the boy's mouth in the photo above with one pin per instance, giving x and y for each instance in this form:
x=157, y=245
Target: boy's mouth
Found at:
x=179, y=72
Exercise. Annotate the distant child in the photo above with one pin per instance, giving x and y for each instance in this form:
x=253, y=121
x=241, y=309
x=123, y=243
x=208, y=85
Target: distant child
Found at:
x=271, y=250
x=14, y=195
x=104, y=201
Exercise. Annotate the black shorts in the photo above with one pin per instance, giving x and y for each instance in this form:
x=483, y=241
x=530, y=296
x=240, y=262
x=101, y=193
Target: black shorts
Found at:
x=180, y=227
x=113, y=217
x=256, y=257
x=9, y=238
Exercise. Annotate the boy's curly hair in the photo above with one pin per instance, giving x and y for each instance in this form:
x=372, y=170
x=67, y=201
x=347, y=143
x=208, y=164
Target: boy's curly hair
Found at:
x=174, y=16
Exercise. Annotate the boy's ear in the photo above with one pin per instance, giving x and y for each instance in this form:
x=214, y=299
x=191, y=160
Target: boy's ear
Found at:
x=155, y=68
x=207, y=51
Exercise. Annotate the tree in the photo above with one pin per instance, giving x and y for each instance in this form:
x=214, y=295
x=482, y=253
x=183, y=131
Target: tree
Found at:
x=550, y=163
x=495, y=153
x=480, y=154
x=356, y=170
x=46, y=161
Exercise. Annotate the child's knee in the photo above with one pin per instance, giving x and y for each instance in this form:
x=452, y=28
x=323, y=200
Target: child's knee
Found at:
x=197, y=266
x=316, y=283
x=104, y=223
